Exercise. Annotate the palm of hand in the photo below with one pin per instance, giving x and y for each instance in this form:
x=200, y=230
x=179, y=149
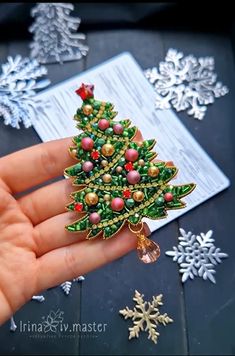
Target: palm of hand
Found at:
x=36, y=252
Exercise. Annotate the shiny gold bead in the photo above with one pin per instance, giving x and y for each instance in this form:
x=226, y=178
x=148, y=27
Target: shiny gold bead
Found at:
x=91, y=199
x=107, y=197
x=107, y=150
x=87, y=109
x=138, y=196
x=141, y=162
x=73, y=152
x=104, y=163
x=153, y=171
x=107, y=178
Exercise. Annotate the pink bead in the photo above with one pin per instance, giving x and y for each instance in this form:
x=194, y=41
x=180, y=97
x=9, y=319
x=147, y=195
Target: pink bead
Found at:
x=94, y=218
x=103, y=124
x=87, y=143
x=87, y=166
x=131, y=155
x=117, y=204
x=118, y=129
x=168, y=197
x=133, y=177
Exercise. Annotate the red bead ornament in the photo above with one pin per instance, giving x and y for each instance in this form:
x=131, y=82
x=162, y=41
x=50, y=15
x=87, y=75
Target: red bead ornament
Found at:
x=103, y=124
x=126, y=193
x=131, y=155
x=85, y=91
x=78, y=207
x=168, y=197
x=129, y=166
x=133, y=177
x=118, y=129
x=87, y=143
x=95, y=155
x=117, y=204
x=94, y=218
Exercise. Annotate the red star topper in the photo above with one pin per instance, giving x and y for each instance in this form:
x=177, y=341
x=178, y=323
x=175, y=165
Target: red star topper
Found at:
x=85, y=91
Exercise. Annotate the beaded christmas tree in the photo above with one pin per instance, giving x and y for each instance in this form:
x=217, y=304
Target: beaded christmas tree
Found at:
x=117, y=180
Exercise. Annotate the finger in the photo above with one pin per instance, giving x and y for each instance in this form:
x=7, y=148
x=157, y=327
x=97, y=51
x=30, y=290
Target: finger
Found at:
x=48, y=201
x=138, y=136
x=34, y=165
x=71, y=261
x=51, y=234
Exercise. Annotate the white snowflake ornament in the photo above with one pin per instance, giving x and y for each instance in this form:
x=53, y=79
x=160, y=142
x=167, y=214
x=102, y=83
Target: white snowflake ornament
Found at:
x=196, y=255
x=185, y=83
x=19, y=81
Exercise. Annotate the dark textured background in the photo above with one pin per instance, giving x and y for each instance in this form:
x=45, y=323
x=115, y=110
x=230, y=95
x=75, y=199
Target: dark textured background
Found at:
x=203, y=313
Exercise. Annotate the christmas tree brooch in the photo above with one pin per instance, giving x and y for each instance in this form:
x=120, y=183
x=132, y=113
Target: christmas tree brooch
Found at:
x=118, y=182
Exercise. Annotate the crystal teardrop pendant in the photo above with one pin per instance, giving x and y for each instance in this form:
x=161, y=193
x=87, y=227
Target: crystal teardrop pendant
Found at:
x=148, y=251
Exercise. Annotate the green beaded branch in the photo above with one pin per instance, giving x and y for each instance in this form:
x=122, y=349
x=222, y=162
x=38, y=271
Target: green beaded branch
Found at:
x=155, y=195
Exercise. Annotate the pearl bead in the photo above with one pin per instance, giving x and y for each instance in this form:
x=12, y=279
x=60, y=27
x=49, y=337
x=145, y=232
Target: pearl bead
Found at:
x=87, y=143
x=153, y=171
x=87, y=166
x=168, y=197
x=107, y=150
x=91, y=198
x=117, y=204
x=103, y=124
x=94, y=218
x=138, y=196
x=118, y=129
x=141, y=162
x=87, y=109
x=131, y=155
x=107, y=178
x=119, y=169
x=104, y=163
x=73, y=153
x=133, y=177
x=107, y=197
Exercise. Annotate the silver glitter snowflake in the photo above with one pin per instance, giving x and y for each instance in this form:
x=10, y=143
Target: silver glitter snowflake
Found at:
x=55, y=37
x=197, y=255
x=67, y=285
x=18, y=85
x=185, y=83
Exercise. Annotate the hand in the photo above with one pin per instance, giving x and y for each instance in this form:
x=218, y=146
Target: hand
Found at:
x=36, y=252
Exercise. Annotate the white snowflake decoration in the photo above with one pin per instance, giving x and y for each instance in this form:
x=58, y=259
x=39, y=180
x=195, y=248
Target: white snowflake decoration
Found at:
x=55, y=37
x=196, y=255
x=146, y=316
x=18, y=85
x=67, y=285
x=185, y=83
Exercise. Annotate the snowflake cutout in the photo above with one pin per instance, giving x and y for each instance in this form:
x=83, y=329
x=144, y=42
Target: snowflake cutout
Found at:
x=67, y=285
x=185, y=83
x=146, y=316
x=18, y=84
x=197, y=255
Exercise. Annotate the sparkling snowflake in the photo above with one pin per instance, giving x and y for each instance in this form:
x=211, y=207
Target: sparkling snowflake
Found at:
x=18, y=84
x=185, y=83
x=197, y=255
x=146, y=316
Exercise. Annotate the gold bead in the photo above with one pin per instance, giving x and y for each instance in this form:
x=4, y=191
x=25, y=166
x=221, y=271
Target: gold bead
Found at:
x=104, y=163
x=107, y=178
x=73, y=152
x=138, y=196
x=87, y=109
x=153, y=171
x=91, y=199
x=107, y=197
x=141, y=162
x=118, y=169
x=107, y=150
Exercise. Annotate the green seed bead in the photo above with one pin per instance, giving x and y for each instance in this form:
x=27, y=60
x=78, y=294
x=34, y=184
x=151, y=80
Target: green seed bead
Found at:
x=109, y=131
x=130, y=203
